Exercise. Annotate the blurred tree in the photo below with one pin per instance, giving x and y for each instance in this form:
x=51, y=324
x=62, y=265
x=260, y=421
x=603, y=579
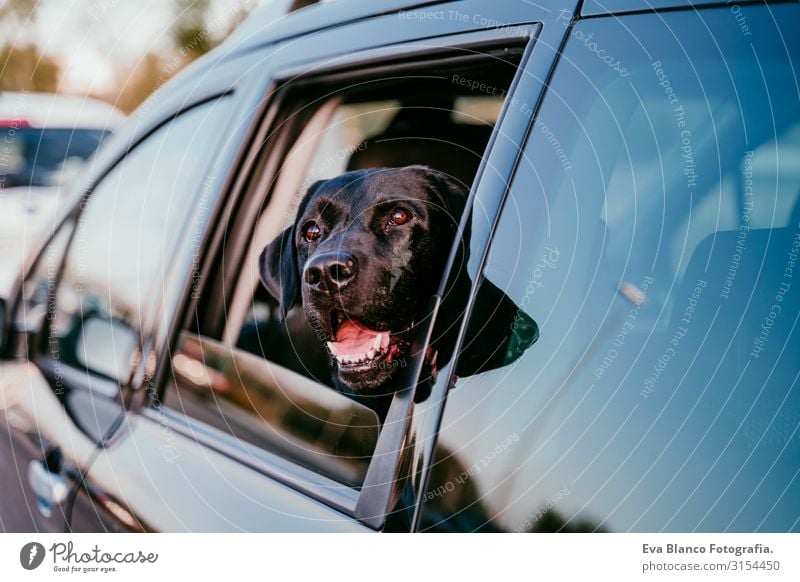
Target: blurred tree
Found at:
x=18, y=10
x=244, y=9
x=25, y=68
x=195, y=32
x=191, y=33
x=137, y=85
x=552, y=521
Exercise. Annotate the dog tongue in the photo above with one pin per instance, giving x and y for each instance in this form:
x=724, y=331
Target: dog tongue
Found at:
x=354, y=339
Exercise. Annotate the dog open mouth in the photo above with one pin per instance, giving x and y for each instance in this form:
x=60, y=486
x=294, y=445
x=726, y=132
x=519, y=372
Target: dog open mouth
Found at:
x=355, y=346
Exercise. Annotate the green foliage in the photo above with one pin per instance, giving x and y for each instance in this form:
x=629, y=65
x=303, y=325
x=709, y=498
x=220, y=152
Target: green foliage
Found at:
x=190, y=32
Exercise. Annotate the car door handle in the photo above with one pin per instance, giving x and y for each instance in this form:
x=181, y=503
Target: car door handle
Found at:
x=47, y=482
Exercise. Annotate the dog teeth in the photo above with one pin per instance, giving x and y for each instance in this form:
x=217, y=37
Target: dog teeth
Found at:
x=376, y=344
x=332, y=348
x=346, y=359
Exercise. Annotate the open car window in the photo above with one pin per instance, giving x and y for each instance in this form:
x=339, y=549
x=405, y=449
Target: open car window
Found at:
x=259, y=372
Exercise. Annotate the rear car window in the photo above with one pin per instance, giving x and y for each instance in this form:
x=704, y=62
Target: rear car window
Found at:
x=38, y=157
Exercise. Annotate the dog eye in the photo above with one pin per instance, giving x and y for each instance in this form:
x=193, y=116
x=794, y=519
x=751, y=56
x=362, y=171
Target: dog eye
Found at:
x=311, y=232
x=399, y=216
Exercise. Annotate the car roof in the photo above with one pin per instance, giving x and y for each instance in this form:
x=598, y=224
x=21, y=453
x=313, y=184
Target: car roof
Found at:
x=280, y=20
x=284, y=19
x=59, y=111
x=602, y=7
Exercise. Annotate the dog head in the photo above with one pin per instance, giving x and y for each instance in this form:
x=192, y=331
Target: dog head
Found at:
x=363, y=257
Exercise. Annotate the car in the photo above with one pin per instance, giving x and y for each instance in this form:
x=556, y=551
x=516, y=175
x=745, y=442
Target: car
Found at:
x=44, y=141
x=634, y=178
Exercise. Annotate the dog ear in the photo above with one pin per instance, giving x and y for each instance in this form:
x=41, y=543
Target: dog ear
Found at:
x=278, y=268
x=451, y=193
x=498, y=333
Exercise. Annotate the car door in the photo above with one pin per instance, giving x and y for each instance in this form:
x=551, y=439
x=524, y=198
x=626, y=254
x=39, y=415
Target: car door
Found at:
x=90, y=301
x=651, y=229
x=217, y=440
x=37, y=477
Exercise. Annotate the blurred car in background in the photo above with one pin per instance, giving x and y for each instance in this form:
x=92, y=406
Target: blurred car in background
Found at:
x=44, y=141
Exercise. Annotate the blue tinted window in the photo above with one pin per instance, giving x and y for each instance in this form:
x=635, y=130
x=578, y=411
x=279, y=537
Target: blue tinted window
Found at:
x=36, y=157
x=653, y=232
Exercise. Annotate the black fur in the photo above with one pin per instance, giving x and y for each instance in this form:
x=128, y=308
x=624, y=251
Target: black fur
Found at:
x=390, y=271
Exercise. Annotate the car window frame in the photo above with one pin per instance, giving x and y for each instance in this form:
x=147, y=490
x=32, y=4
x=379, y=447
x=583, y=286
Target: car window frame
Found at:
x=538, y=67
x=372, y=503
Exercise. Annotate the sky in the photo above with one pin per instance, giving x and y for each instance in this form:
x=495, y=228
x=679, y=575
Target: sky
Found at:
x=95, y=40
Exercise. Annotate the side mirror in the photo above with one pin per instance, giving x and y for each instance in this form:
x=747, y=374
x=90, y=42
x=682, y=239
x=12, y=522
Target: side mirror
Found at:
x=15, y=336
x=105, y=346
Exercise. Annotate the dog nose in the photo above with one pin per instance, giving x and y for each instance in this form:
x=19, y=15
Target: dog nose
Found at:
x=330, y=270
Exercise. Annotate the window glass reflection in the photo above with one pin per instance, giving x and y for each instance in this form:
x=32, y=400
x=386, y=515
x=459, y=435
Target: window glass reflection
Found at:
x=653, y=232
x=125, y=237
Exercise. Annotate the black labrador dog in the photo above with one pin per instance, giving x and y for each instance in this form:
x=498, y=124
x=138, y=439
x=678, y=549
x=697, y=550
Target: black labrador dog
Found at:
x=363, y=258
